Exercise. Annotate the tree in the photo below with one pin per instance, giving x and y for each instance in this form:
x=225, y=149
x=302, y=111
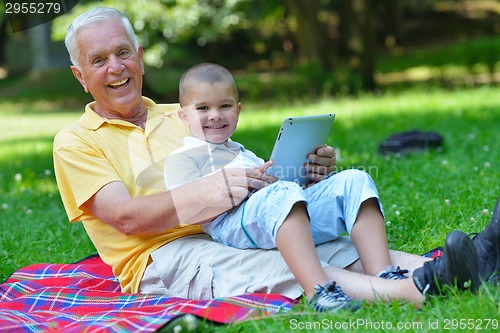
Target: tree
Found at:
x=357, y=44
x=362, y=42
x=313, y=44
x=3, y=37
x=211, y=25
x=160, y=23
x=394, y=24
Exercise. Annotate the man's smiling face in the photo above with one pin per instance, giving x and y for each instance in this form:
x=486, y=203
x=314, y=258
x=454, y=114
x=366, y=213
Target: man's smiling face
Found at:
x=111, y=68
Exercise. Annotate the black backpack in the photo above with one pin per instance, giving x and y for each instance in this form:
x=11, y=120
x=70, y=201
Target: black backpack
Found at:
x=405, y=143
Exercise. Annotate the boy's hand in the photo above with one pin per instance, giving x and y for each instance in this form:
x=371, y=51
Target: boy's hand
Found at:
x=321, y=163
x=263, y=168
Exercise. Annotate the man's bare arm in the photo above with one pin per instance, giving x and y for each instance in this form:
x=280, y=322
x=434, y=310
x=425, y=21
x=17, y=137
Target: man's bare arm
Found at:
x=188, y=203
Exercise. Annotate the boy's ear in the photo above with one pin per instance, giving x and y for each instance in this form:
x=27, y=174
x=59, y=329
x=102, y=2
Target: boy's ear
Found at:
x=78, y=74
x=182, y=114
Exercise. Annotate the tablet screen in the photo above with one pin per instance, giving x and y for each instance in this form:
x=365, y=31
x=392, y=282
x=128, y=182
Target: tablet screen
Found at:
x=297, y=138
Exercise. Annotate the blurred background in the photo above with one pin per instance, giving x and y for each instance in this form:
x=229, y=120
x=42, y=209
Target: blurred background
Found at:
x=278, y=50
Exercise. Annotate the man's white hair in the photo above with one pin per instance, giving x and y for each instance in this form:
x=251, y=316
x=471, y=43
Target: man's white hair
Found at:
x=92, y=17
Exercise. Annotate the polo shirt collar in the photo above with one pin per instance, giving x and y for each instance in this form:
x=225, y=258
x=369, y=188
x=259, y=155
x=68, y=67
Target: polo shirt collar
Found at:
x=92, y=121
x=193, y=142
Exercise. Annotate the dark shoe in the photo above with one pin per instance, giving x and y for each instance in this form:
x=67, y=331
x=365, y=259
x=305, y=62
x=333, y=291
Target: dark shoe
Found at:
x=457, y=266
x=487, y=244
x=393, y=273
x=330, y=298
x=434, y=253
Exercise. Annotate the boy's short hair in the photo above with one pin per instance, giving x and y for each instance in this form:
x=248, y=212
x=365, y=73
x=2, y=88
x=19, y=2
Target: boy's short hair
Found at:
x=205, y=73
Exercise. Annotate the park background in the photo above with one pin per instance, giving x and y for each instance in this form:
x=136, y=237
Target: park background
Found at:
x=382, y=66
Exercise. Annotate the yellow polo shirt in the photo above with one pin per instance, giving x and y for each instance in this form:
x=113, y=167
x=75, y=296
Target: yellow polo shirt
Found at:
x=96, y=151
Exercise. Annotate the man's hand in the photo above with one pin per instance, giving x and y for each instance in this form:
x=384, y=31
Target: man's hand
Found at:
x=240, y=182
x=321, y=163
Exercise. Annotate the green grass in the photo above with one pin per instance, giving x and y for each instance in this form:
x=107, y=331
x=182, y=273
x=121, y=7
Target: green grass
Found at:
x=425, y=196
x=32, y=218
x=466, y=54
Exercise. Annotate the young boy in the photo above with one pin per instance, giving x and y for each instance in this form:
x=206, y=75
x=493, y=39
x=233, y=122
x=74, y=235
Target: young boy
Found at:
x=283, y=214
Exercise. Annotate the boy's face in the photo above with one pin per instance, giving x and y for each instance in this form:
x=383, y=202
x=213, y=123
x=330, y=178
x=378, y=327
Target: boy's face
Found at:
x=211, y=111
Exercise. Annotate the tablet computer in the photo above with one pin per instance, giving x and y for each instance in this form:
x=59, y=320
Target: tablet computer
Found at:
x=297, y=138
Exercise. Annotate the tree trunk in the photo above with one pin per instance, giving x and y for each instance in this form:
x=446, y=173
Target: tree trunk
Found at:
x=362, y=41
x=313, y=44
x=394, y=22
x=345, y=15
x=368, y=37
x=3, y=39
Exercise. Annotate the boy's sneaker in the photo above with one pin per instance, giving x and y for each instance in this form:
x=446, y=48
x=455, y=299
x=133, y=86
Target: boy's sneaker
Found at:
x=330, y=298
x=487, y=245
x=457, y=266
x=393, y=273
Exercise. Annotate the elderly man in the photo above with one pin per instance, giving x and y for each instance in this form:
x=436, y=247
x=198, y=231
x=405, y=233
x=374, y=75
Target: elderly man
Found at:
x=109, y=169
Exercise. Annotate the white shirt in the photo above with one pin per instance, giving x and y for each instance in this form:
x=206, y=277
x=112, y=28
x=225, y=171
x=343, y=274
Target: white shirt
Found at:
x=198, y=158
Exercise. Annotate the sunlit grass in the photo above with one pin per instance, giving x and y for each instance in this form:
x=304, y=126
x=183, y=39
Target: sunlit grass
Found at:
x=17, y=125
x=425, y=196
x=33, y=221
x=464, y=63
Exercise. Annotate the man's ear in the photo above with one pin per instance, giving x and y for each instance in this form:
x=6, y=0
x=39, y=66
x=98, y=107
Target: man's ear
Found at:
x=141, y=58
x=79, y=77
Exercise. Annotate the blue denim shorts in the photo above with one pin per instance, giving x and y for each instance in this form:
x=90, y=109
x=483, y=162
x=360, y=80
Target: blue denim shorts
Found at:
x=332, y=204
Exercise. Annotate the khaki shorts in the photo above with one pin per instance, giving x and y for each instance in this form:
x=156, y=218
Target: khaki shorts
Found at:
x=196, y=267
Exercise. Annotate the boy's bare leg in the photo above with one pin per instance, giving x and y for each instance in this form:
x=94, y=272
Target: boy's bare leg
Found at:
x=295, y=243
x=370, y=288
x=369, y=237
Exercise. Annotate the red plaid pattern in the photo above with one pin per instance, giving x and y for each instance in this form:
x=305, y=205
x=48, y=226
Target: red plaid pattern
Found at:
x=85, y=296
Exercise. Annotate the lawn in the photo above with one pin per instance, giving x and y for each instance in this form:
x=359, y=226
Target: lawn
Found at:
x=425, y=195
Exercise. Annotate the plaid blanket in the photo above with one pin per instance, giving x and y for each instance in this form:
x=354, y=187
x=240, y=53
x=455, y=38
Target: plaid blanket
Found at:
x=85, y=296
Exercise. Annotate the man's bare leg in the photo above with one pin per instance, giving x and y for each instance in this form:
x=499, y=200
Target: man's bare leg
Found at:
x=371, y=288
x=398, y=258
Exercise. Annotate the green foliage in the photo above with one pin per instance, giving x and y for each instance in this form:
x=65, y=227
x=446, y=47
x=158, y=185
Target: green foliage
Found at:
x=261, y=36
x=160, y=23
